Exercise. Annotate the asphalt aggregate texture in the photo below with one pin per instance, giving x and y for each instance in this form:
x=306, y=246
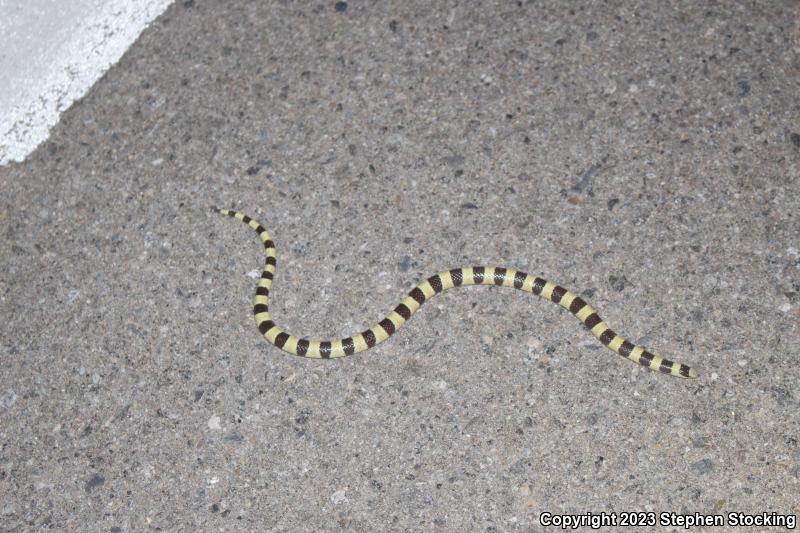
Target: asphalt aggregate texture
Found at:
x=645, y=155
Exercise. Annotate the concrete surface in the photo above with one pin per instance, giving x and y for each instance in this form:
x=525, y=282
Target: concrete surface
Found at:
x=642, y=155
x=51, y=52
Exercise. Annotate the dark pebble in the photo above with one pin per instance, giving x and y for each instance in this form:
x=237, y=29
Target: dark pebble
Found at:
x=234, y=436
x=95, y=481
x=704, y=466
x=744, y=87
x=618, y=284
x=782, y=396
x=303, y=416
x=340, y=7
x=455, y=160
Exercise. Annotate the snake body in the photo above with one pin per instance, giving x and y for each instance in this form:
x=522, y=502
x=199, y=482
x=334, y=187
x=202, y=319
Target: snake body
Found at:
x=457, y=277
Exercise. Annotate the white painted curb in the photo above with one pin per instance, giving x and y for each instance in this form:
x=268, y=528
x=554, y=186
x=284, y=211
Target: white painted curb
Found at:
x=51, y=53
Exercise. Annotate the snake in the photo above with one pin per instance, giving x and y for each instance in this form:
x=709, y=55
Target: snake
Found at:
x=424, y=291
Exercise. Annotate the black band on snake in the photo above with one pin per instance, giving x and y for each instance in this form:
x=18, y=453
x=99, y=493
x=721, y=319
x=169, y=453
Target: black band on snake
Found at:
x=457, y=277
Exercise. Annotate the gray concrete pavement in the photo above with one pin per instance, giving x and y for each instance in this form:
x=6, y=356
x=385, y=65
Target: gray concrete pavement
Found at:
x=642, y=155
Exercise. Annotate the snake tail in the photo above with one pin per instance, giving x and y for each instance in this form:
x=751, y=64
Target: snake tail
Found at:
x=457, y=277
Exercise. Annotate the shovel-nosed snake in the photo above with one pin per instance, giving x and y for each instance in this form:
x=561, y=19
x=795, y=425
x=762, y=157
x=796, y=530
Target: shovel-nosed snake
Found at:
x=457, y=277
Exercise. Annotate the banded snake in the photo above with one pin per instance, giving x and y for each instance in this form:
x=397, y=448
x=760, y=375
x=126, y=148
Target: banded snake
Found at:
x=424, y=291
